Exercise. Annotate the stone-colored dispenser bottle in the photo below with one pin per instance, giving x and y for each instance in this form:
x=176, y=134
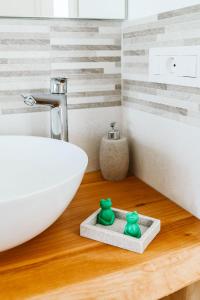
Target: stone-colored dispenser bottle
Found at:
x=114, y=155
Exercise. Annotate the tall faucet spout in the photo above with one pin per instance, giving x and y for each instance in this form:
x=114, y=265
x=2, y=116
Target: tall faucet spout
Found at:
x=58, y=108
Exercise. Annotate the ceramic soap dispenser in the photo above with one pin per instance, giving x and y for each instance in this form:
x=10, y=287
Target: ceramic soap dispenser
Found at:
x=114, y=155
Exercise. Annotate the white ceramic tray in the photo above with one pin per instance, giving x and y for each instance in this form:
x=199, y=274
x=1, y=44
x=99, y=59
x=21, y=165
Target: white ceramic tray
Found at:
x=113, y=235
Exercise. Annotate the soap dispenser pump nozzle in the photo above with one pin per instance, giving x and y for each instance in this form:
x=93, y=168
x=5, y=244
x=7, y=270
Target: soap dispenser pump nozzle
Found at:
x=114, y=133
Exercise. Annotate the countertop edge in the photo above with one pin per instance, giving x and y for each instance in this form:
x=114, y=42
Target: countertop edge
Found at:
x=170, y=272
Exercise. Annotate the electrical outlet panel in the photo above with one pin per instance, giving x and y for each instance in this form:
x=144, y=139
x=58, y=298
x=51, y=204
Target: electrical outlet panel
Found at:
x=175, y=65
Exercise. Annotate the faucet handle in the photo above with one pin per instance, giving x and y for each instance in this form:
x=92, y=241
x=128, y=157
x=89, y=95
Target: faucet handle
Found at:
x=58, y=85
x=29, y=100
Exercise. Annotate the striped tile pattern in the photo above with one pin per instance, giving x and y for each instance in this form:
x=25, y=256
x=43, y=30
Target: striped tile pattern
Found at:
x=175, y=28
x=87, y=52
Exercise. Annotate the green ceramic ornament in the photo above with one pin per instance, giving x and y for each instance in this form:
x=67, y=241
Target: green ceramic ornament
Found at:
x=132, y=228
x=106, y=216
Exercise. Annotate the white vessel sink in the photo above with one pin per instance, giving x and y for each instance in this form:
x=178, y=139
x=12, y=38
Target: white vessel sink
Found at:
x=38, y=179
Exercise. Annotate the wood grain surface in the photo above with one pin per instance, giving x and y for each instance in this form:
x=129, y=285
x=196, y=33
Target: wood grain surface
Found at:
x=59, y=264
x=192, y=292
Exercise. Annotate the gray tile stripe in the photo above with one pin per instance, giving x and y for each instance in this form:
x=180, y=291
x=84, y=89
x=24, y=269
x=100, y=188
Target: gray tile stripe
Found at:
x=134, y=52
x=24, y=42
x=140, y=39
x=143, y=33
x=118, y=86
x=184, y=89
x=162, y=113
x=73, y=29
x=3, y=61
x=94, y=105
x=155, y=85
x=93, y=94
x=168, y=108
x=86, y=59
x=27, y=61
x=192, y=42
x=179, y=12
x=22, y=110
x=85, y=47
x=94, y=76
x=87, y=76
x=23, y=35
x=85, y=23
x=83, y=35
x=6, y=111
x=10, y=92
x=25, y=92
x=155, y=43
x=141, y=89
x=25, y=48
x=23, y=73
x=161, y=86
x=136, y=65
x=67, y=72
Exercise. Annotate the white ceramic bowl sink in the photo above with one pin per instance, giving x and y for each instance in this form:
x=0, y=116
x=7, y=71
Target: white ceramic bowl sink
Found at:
x=38, y=179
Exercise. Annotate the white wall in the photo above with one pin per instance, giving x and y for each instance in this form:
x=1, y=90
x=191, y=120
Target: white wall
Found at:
x=144, y=8
x=165, y=155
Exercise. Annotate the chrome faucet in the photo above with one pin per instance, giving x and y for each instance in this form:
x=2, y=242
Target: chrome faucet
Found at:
x=57, y=101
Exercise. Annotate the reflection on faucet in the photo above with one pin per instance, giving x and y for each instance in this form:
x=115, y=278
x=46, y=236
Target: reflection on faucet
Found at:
x=57, y=101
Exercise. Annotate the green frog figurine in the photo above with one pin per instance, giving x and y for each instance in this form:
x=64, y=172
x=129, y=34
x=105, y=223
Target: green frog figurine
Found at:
x=132, y=228
x=106, y=216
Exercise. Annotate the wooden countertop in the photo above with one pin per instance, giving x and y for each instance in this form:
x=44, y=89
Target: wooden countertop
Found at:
x=59, y=264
